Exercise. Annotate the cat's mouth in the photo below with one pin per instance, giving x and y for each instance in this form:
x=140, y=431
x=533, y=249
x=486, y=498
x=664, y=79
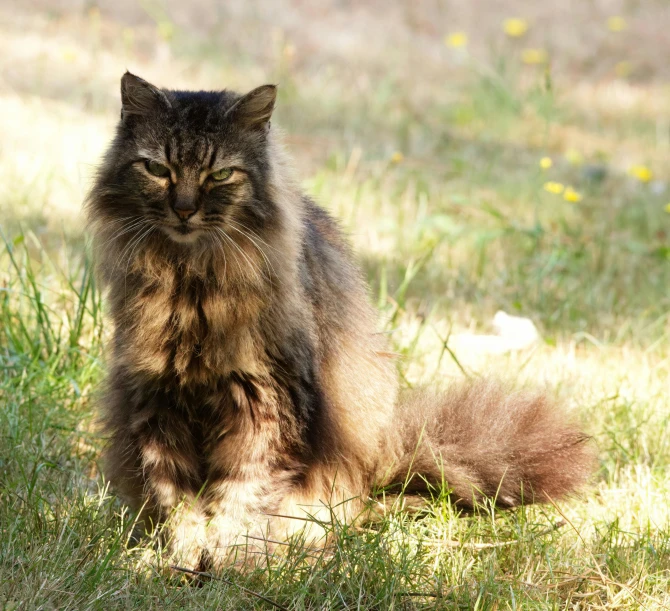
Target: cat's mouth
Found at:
x=183, y=233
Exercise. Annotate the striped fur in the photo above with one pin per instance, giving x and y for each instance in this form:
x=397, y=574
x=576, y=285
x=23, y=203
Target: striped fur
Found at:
x=246, y=380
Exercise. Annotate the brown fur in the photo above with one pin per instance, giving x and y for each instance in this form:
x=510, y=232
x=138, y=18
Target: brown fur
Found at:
x=246, y=378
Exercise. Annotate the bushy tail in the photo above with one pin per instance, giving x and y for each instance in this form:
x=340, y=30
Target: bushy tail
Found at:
x=482, y=440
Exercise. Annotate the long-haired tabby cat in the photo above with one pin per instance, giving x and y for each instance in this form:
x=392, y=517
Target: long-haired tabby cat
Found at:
x=248, y=392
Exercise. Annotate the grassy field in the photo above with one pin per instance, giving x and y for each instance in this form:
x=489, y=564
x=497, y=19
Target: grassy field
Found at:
x=472, y=175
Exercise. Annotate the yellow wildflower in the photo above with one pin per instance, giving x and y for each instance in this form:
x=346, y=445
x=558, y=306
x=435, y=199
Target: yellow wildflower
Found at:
x=667, y=208
x=616, y=23
x=641, y=173
x=623, y=69
x=397, y=157
x=554, y=187
x=165, y=29
x=574, y=157
x=534, y=56
x=456, y=39
x=546, y=163
x=570, y=195
x=515, y=27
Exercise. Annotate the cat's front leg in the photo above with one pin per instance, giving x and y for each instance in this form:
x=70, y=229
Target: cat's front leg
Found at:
x=241, y=506
x=252, y=468
x=168, y=460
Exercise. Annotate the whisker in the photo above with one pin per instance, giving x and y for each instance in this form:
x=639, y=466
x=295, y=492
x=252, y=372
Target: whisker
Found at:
x=220, y=247
x=124, y=229
x=130, y=243
x=226, y=237
x=253, y=233
x=258, y=272
x=143, y=236
x=137, y=243
x=271, y=269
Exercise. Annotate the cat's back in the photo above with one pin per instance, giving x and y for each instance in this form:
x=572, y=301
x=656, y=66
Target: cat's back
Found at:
x=329, y=272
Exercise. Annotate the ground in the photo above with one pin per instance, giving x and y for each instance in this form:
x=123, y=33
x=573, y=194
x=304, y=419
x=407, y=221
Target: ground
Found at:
x=478, y=165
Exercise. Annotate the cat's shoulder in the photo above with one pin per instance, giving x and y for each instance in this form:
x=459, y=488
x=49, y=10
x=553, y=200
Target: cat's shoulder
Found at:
x=321, y=226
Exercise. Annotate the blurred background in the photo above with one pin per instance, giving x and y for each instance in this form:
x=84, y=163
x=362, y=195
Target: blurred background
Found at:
x=483, y=155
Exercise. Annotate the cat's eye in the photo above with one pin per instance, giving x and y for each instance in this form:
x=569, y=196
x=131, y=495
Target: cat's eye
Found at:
x=157, y=169
x=222, y=174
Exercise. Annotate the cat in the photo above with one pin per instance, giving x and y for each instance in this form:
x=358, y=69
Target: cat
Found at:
x=248, y=395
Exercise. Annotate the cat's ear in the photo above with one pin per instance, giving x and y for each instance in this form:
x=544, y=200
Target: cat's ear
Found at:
x=255, y=108
x=138, y=97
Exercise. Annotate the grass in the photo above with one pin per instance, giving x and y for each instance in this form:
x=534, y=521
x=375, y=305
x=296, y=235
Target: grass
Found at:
x=442, y=192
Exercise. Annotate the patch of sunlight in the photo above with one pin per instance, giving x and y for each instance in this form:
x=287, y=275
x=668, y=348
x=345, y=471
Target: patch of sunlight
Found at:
x=47, y=159
x=619, y=99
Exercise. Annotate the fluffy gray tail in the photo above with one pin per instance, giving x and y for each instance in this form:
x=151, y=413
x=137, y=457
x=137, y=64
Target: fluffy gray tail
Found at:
x=482, y=441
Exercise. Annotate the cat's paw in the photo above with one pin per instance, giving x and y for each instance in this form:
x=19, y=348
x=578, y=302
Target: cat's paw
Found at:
x=237, y=544
x=186, y=540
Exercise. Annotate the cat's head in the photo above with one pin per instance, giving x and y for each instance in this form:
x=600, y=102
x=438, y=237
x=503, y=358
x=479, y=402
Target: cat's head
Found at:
x=192, y=167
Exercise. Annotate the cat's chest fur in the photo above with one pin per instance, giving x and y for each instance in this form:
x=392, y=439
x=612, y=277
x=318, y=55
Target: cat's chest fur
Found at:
x=190, y=327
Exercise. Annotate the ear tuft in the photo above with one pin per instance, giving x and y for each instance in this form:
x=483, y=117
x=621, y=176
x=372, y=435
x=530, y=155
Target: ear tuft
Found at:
x=255, y=108
x=138, y=97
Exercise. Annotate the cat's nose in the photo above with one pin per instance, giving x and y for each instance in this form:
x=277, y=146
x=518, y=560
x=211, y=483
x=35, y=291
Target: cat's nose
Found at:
x=185, y=208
